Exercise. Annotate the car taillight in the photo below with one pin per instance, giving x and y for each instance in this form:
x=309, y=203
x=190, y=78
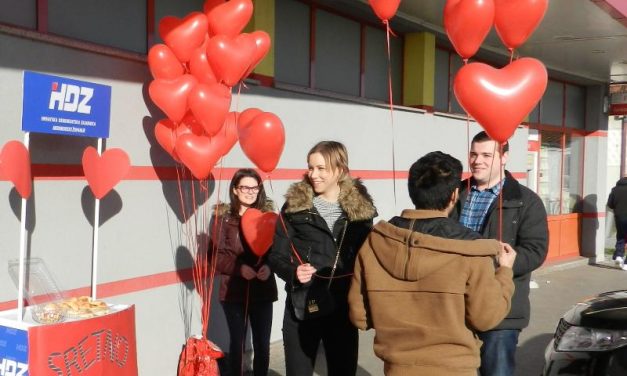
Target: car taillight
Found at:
x=577, y=338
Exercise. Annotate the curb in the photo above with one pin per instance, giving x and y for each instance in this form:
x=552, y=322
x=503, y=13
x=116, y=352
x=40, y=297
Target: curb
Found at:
x=546, y=269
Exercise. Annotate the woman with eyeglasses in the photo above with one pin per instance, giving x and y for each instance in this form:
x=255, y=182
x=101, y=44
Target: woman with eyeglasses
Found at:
x=248, y=287
x=325, y=220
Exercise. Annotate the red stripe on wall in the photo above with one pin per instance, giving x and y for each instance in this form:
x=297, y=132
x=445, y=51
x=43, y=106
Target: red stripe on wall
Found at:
x=75, y=172
x=597, y=134
x=125, y=286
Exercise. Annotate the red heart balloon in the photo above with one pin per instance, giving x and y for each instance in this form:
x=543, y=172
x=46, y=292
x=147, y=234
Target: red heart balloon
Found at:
x=467, y=23
x=229, y=18
x=171, y=95
x=185, y=35
x=230, y=57
x=165, y=133
x=210, y=104
x=499, y=99
x=198, y=153
x=199, y=66
x=190, y=124
x=263, y=43
x=227, y=136
x=385, y=9
x=245, y=117
x=515, y=20
x=210, y=4
x=104, y=171
x=263, y=140
x=15, y=166
x=163, y=64
x=258, y=230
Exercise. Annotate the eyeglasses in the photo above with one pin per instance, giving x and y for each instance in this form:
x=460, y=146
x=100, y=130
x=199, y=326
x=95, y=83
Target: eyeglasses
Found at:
x=247, y=189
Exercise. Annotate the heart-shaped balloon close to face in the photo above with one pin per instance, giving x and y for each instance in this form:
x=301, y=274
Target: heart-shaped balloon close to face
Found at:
x=467, y=23
x=384, y=9
x=227, y=136
x=171, y=95
x=245, y=117
x=163, y=63
x=263, y=140
x=263, y=43
x=103, y=172
x=15, y=167
x=258, y=229
x=230, y=57
x=165, y=133
x=515, y=20
x=499, y=99
x=198, y=153
x=199, y=66
x=210, y=104
x=185, y=35
x=229, y=18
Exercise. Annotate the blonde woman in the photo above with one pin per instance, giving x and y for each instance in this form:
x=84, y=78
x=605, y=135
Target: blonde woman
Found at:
x=324, y=221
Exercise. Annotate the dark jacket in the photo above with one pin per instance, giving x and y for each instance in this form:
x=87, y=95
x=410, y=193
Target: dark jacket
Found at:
x=425, y=291
x=233, y=252
x=313, y=240
x=618, y=198
x=525, y=229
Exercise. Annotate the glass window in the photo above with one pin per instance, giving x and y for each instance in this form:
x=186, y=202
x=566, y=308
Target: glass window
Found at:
x=572, y=195
x=116, y=23
x=21, y=13
x=552, y=104
x=549, y=174
x=441, y=80
x=456, y=64
x=575, y=107
x=337, y=59
x=376, y=65
x=292, y=42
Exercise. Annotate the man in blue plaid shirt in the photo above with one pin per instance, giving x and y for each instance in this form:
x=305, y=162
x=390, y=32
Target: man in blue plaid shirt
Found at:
x=493, y=203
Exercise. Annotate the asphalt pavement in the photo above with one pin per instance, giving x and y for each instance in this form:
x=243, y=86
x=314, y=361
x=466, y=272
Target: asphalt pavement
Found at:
x=555, y=288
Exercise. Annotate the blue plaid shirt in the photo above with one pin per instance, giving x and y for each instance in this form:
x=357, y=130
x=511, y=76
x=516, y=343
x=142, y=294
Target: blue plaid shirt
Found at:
x=477, y=205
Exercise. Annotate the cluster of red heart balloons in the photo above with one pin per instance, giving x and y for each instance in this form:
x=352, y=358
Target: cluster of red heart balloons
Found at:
x=204, y=55
x=499, y=99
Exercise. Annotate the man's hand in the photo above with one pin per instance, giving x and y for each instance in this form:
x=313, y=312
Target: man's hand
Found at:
x=305, y=272
x=247, y=272
x=507, y=255
x=263, y=273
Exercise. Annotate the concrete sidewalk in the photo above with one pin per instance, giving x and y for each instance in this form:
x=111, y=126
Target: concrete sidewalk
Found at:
x=559, y=287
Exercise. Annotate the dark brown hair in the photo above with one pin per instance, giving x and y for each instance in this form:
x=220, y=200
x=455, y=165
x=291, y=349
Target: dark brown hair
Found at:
x=260, y=203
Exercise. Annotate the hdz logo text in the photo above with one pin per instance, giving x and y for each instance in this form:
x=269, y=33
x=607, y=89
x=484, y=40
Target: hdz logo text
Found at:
x=70, y=98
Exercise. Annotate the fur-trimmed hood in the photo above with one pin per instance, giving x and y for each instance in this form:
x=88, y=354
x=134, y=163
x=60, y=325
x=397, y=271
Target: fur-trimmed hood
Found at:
x=354, y=199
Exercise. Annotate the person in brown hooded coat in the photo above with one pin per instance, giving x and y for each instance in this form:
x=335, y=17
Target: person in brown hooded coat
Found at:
x=425, y=283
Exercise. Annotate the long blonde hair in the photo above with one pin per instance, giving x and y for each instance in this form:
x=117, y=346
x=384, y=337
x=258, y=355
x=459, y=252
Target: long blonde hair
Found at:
x=335, y=156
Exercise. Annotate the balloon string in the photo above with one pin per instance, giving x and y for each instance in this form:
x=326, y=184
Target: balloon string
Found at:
x=468, y=152
x=390, y=95
x=511, y=55
x=246, y=303
x=500, y=193
x=239, y=90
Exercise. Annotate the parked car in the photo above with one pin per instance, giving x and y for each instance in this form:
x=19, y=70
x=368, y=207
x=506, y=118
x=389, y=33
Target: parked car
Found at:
x=591, y=338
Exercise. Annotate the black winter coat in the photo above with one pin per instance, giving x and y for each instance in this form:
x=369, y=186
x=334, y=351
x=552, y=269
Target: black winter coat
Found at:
x=316, y=243
x=525, y=229
x=618, y=198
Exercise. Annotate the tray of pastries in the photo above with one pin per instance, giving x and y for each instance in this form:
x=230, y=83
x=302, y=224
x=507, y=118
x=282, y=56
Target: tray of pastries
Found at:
x=83, y=307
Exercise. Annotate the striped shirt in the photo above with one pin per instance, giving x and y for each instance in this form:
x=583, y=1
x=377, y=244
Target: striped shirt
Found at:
x=477, y=205
x=329, y=211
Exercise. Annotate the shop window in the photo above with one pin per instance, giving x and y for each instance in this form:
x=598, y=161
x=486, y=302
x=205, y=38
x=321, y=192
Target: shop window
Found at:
x=575, y=107
x=337, y=56
x=376, y=65
x=441, y=84
x=292, y=42
x=552, y=104
x=456, y=65
x=550, y=171
x=572, y=195
x=19, y=13
x=534, y=115
x=115, y=23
